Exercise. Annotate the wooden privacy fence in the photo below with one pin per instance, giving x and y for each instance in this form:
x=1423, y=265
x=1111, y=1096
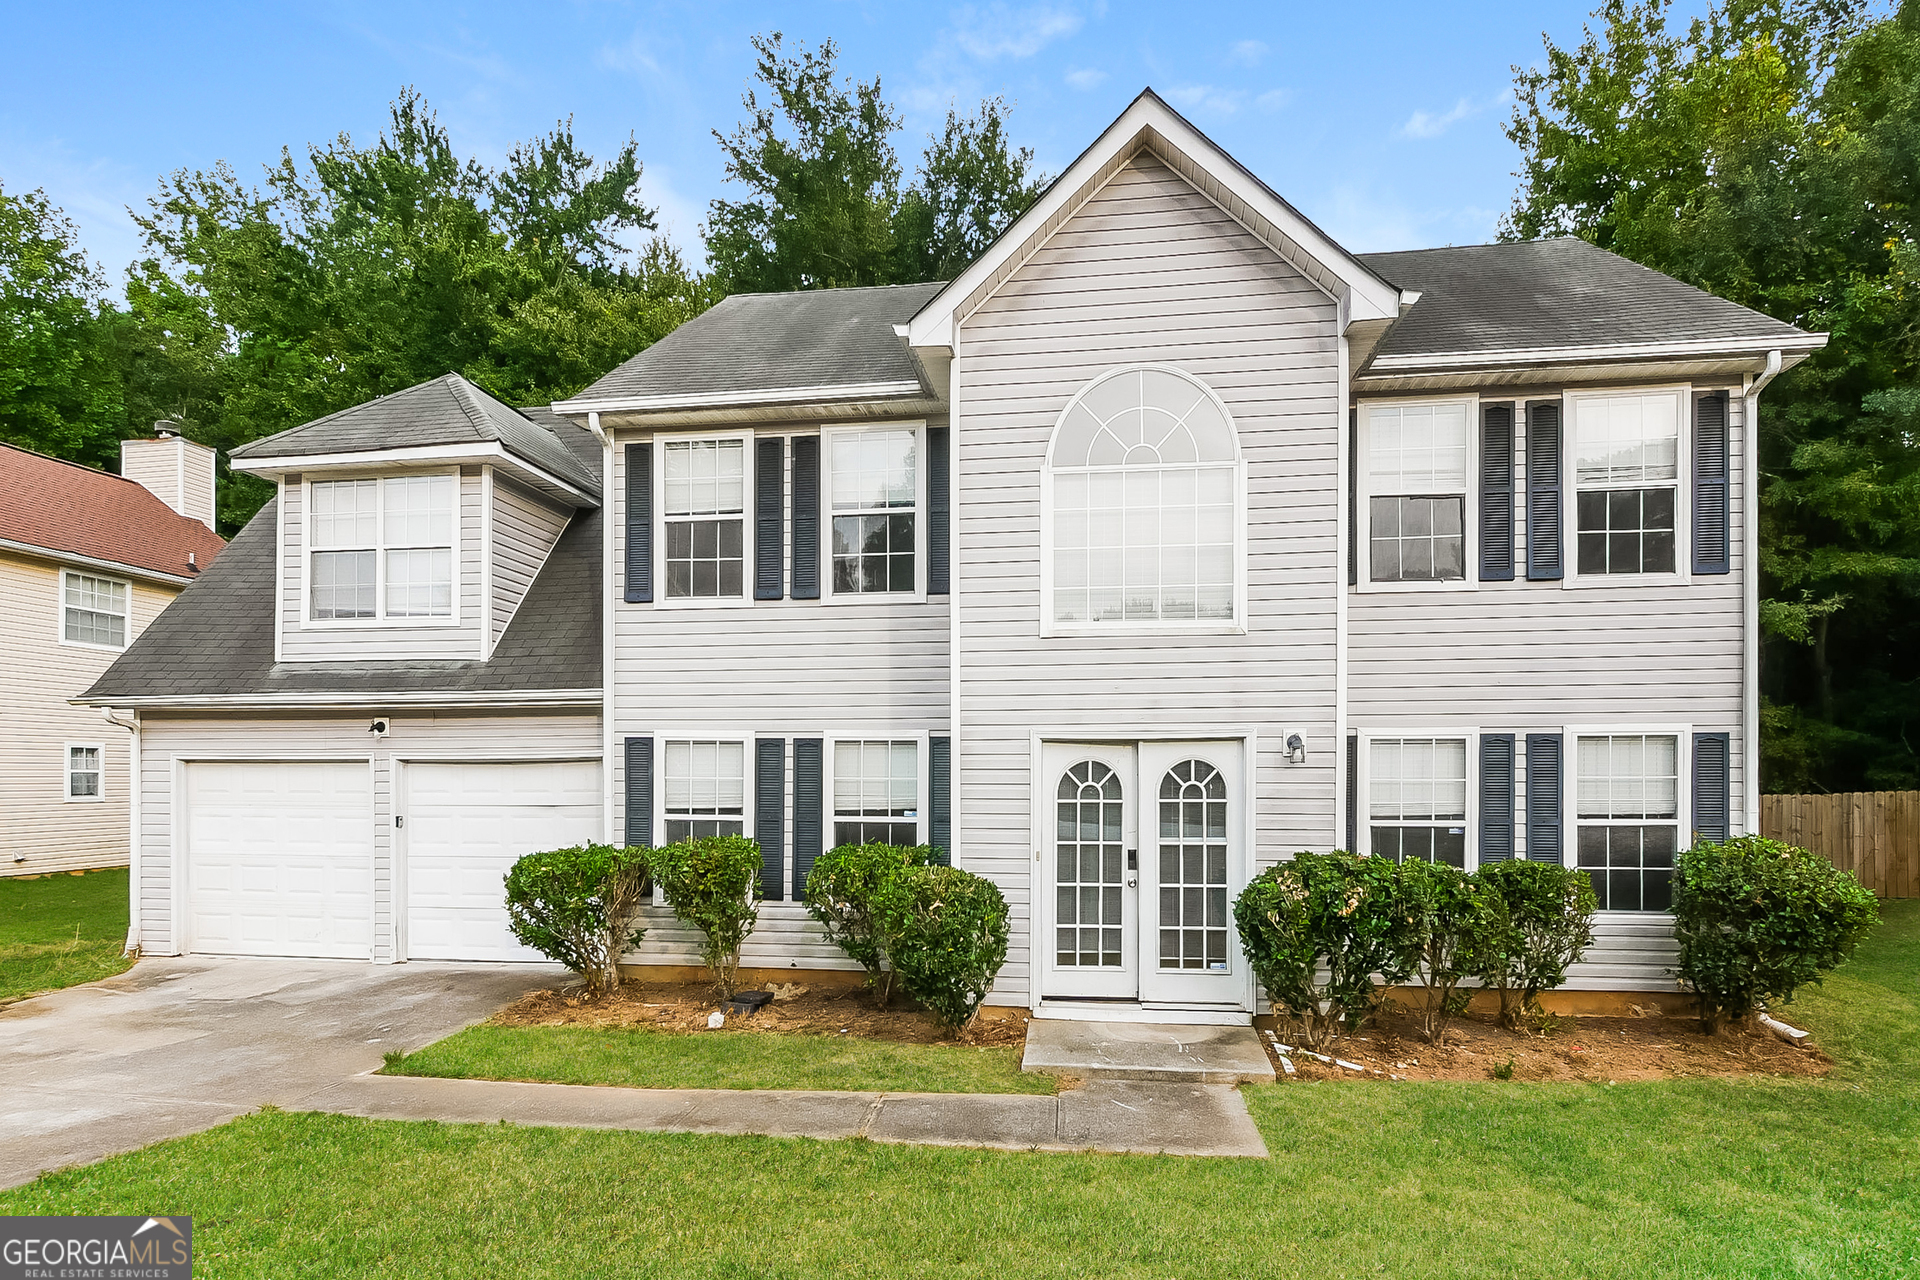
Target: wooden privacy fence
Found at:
x=1874, y=834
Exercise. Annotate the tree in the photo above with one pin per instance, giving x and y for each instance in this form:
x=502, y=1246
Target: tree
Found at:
x=972, y=184
x=1770, y=153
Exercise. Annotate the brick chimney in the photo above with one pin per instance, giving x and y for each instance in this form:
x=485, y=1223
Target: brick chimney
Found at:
x=176, y=470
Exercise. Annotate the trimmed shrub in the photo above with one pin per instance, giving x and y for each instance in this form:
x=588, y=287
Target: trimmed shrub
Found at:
x=578, y=905
x=713, y=883
x=1542, y=922
x=1316, y=930
x=1757, y=920
x=1447, y=922
x=840, y=892
x=946, y=932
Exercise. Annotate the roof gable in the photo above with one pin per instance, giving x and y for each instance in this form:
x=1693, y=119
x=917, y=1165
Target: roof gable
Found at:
x=65, y=508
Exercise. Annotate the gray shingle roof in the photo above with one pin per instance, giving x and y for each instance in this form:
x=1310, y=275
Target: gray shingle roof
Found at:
x=1551, y=293
x=765, y=342
x=449, y=410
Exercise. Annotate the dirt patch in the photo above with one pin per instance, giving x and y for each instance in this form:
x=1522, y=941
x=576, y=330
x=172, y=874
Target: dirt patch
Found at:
x=796, y=1009
x=1650, y=1047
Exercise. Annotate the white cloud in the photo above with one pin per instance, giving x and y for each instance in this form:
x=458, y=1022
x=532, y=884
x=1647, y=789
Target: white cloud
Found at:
x=998, y=31
x=1247, y=53
x=633, y=56
x=1429, y=124
x=1086, y=78
x=1207, y=98
x=1273, y=99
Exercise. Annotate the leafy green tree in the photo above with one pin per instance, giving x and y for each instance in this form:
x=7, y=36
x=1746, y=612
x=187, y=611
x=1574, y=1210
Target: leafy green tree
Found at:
x=972, y=183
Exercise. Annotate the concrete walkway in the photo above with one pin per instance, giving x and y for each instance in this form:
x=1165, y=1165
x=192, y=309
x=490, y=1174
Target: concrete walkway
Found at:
x=1103, y=1051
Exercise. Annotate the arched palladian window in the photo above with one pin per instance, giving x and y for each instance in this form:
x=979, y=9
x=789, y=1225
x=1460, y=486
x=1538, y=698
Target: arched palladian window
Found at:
x=1145, y=507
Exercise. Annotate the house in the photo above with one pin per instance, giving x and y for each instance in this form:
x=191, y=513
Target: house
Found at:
x=87, y=559
x=1168, y=539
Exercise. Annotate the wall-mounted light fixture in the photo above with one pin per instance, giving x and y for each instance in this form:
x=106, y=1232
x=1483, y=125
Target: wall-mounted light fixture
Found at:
x=1296, y=749
x=379, y=727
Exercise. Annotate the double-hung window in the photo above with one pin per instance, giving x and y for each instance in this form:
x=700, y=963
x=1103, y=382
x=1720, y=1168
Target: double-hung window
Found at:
x=704, y=513
x=873, y=478
x=1417, y=799
x=382, y=549
x=1627, y=482
x=1627, y=817
x=1417, y=458
x=94, y=610
x=705, y=789
x=83, y=772
x=876, y=793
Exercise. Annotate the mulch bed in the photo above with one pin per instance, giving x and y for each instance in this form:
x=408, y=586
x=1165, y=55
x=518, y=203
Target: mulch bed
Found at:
x=1576, y=1048
x=795, y=1010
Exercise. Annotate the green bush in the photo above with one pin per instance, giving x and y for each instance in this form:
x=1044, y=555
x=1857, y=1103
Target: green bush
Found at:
x=946, y=933
x=840, y=892
x=1757, y=920
x=578, y=905
x=1447, y=920
x=713, y=883
x=1542, y=923
x=1316, y=930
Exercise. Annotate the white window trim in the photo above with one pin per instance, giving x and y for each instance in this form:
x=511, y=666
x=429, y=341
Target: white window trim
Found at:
x=1363, y=513
x=661, y=600
x=1363, y=779
x=919, y=593
x=1570, y=794
x=922, y=752
x=1572, y=578
x=66, y=776
x=380, y=622
x=1203, y=627
x=662, y=737
x=60, y=612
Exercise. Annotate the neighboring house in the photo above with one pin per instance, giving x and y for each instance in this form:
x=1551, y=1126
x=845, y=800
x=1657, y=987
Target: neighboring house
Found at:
x=87, y=560
x=1167, y=540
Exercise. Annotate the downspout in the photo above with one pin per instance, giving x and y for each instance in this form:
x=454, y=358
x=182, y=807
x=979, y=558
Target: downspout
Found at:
x=134, y=789
x=607, y=497
x=1750, y=499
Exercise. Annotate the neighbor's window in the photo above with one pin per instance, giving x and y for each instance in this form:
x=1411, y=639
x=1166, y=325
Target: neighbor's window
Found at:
x=706, y=789
x=1417, y=492
x=382, y=548
x=83, y=773
x=95, y=611
x=876, y=793
x=1417, y=799
x=1145, y=481
x=706, y=502
x=874, y=482
x=1627, y=811
x=1626, y=474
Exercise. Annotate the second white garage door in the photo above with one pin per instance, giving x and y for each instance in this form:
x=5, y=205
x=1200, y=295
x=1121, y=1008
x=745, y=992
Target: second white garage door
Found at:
x=466, y=825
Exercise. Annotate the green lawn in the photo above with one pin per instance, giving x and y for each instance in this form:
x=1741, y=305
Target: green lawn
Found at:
x=59, y=930
x=1757, y=1178
x=720, y=1060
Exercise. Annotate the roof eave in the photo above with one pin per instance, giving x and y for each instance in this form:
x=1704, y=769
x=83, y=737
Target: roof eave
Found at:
x=479, y=452
x=903, y=388
x=84, y=561
x=372, y=700
x=1792, y=345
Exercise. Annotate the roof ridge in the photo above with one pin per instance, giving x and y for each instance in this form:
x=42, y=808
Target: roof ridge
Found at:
x=464, y=396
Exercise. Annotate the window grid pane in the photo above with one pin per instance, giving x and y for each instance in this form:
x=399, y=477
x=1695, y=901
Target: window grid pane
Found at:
x=83, y=772
x=1635, y=778
x=419, y=511
x=1417, y=799
x=706, y=557
x=1626, y=439
x=1416, y=539
x=704, y=785
x=1418, y=448
x=345, y=513
x=877, y=780
x=402, y=523
x=343, y=584
x=1135, y=544
x=1193, y=868
x=95, y=611
x=1626, y=530
x=876, y=473
x=1090, y=867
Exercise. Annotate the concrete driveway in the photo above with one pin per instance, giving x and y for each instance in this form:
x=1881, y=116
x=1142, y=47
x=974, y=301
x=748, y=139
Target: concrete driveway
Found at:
x=174, y=1046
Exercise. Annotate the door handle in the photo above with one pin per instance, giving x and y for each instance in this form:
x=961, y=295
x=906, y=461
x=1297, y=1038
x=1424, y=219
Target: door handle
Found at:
x=1133, y=882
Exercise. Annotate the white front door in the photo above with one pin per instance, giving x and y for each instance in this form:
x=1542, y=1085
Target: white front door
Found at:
x=1193, y=866
x=1089, y=939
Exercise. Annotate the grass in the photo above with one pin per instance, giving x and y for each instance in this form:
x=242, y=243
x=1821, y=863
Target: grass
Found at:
x=1693, y=1178
x=719, y=1060
x=59, y=930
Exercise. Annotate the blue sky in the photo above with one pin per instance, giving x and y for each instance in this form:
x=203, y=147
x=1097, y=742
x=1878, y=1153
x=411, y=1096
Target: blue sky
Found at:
x=1380, y=121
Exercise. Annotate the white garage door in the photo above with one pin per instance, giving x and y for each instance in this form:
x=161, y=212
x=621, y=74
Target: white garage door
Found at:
x=466, y=824
x=280, y=858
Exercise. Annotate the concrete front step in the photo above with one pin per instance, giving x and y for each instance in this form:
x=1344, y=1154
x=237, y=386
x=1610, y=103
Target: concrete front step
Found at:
x=1143, y=1051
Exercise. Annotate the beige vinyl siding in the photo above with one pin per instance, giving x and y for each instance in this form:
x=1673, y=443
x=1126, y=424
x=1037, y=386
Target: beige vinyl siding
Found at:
x=40, y=829
x=171, y=739
x=301, y=641
x=1149, y=270
x=197, y=479
x=525, y=527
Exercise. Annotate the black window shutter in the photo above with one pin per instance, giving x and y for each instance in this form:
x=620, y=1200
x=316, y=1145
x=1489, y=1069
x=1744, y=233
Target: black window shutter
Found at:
x=1712, y=467
x=770, y=814
x=1544, y=821
x=809, y=820
x=806, y=518
x=1496, y=797
x=1545, y=521
x=1713, y=786
x=639, y=523
x=1353, y=507
x=939, y=514
x=769, y=517
x=1496, y=493
x=940, y=803
x=640, y=792
x=1353, y=792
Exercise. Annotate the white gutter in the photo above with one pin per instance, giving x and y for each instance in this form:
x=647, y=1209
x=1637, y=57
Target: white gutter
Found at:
x=477, y=454
x=95, y=562
x=734, y=399
x=134, y=789
x=608, y=499
x=1442, y=360
x=1750, y=503
x=372, y=699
